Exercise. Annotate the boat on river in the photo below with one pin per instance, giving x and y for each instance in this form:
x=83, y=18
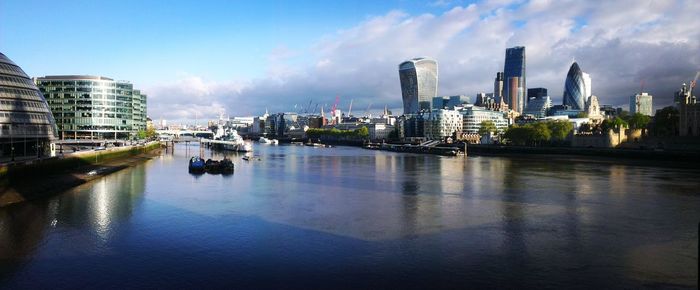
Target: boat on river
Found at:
x=196, y=165
x=224, y=166
x=264, y=140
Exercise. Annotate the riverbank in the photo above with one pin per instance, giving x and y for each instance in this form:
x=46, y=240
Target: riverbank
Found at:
x=674, y=158
x=43, y=178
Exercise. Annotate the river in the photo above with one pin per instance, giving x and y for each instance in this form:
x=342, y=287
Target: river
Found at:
x=347, y=217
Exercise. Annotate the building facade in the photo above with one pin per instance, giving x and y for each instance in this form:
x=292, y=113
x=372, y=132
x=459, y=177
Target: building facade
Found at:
x=94, y=107
x=440, y=124
x=535, y=93
x=538, y=107
x=472, y=116
x=419, y=83
x=514, y=75
x=575, y=89
x=641, y=103
x=688, y=112
x=27, y=127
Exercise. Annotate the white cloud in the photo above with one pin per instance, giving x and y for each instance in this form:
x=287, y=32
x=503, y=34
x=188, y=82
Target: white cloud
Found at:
x=619, y=43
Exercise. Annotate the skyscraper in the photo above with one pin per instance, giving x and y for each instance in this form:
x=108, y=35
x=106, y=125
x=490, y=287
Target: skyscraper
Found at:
x=419, y=80
x=575, y=89
x=498, y=86
x=515, y=68
x=641, y=103
x=587, y=86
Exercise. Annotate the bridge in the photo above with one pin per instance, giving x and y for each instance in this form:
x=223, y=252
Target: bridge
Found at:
x=186, y=133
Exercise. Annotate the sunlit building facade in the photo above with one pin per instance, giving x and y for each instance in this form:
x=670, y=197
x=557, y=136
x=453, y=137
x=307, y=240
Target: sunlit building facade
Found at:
x=27, y=127
x=641, y=103
x=419, y=81
x=94, y=107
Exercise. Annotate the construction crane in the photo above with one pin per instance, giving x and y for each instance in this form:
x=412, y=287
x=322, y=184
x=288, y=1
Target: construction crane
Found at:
x=306, y=111
x=350, y=109
x=694, y=82
x=367, y=110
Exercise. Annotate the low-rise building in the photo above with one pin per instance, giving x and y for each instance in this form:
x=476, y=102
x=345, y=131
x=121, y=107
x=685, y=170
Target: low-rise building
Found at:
x=441, y=123
x=472, y=116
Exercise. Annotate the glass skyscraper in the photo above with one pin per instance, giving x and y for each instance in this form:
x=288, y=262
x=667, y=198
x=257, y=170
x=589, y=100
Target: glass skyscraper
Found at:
x=419, y=80
x=94, y=107
x=575, y=89
x=514, y=75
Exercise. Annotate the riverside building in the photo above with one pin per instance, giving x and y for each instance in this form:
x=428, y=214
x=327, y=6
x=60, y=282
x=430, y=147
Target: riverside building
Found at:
x=27, y=127
x=440, y=124
x=94, y=107
x=472, y=116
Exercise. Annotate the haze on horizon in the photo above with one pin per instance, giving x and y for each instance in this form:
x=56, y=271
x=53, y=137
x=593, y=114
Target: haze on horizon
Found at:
x=244, y=57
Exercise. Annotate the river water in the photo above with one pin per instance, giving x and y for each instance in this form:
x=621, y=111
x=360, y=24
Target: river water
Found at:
x=353, y=218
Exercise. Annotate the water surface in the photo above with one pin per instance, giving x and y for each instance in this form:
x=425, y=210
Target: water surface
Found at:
x=348, y=218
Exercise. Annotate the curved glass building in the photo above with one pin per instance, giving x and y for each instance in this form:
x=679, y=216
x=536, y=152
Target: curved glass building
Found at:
x=419, y=80
x=575, y=89
x=27, y=127
x=94, y=107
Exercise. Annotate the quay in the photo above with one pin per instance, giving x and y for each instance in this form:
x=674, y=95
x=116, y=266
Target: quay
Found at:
x=428, y=147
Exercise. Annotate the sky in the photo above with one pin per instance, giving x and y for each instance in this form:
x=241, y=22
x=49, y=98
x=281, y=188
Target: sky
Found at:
x=202, y=58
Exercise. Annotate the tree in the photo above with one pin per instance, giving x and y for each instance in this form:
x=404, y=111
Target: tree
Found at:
x=487, y=127
x=666, y=122
x=615, y=123
x=141, y=134
x=639, y=121
x=539, y=133
x=362, y=132
x=560, y=130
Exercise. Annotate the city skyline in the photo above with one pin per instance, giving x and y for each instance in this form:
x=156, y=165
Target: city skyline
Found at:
x=353, y=50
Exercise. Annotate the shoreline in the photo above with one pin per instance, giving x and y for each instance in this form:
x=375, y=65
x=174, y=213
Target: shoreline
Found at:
x=28, y=183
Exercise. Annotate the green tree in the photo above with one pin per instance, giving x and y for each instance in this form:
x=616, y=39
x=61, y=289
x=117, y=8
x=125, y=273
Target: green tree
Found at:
x=539, y=133
x=362, y=132
x=639, y=121
x=666, y=122
x=560, y=130
x=487, y=127
x=141, y=134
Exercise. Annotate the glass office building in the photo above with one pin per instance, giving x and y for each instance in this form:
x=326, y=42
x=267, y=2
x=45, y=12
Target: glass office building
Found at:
x=575, y=89
x=419, y=80
x=27, y=127
x=641, y=103
x=514, y=76
x=94, y=107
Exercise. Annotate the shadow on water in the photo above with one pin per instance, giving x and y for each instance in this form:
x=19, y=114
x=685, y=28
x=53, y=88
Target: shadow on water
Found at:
x=98, y=207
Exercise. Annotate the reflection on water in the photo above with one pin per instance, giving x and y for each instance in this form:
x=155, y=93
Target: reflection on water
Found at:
x=316, y=216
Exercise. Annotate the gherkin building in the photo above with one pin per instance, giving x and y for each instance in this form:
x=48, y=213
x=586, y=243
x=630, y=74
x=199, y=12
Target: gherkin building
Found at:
x=27, y=127
x=575, y=88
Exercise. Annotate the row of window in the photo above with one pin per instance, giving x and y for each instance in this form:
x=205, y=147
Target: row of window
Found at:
x=22, y=104
x=16, y=81
x=23, y=118
x=11, y=69
x=12, y=93
x=20, y=130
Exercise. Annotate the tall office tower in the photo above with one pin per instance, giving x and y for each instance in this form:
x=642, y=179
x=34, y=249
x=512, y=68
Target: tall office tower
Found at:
x=515, y=68
x=419, y=81
x=28, y=128
x=575, y=89
x=641, y=103
x=498, y=86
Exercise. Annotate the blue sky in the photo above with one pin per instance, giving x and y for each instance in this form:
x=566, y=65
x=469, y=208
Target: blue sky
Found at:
x=203, y=57
x=147, y=41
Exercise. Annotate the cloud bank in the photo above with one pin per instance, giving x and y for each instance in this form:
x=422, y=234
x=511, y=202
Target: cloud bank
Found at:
x=620, y=43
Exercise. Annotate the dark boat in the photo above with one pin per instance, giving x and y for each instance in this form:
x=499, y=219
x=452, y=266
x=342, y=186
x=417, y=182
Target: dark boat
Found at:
x=196, y=165
x=212, y=166
x=226, y=166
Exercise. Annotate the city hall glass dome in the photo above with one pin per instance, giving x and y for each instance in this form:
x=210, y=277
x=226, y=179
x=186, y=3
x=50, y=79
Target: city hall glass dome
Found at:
x=27, y=126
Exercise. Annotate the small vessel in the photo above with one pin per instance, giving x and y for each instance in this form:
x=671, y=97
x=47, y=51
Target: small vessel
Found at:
x=264, y=140
x=212, y=166
x=226, y=166
x=196, y=165
x=246, y=158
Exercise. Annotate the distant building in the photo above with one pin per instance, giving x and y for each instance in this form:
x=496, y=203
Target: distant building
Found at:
x=498, y=86
x=535, y=93
x=440, y=124
x=472, y=116
x=379, y=131
x=450, y=102
x=419, y=83
x=514, y=75
x=609, y=111
x=575, y=89
x=27, y=127
x=641, y=103
x=94, y=107
x=593, y=110
x=411, y=127
x=688, y=112
x=538, y=106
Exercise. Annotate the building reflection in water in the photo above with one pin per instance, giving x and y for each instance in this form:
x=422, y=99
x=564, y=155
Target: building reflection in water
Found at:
x=96, y=206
